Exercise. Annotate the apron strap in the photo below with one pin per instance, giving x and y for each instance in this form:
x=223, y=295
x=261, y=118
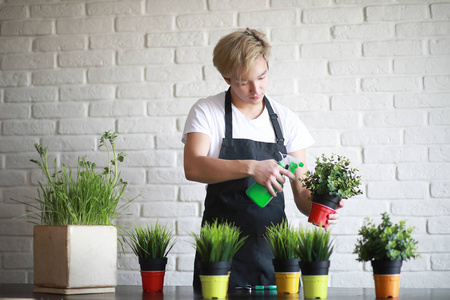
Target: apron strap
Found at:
x=275, y=124
x=273, y=118
x=228, y=116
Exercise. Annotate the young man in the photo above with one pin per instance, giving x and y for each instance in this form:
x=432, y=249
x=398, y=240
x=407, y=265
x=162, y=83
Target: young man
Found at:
x=235, y=138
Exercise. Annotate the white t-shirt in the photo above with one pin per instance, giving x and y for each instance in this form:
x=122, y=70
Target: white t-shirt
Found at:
x=207, y=116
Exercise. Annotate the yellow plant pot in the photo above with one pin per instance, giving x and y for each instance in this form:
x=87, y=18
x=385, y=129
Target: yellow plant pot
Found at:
x=315, y=286
x=387, y=286
x=214, y=286
x=287, y=282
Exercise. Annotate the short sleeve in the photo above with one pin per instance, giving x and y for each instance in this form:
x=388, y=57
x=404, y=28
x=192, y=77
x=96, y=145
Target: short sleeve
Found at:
x=197, y=121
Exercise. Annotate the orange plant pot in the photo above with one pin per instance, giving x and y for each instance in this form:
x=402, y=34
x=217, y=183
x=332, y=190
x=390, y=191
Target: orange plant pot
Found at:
x=387, y=286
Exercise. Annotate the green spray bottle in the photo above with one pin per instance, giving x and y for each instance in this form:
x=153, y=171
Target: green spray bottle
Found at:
x=259, y=193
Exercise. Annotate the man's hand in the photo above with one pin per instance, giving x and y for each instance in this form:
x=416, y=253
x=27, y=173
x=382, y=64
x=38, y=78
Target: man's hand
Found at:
x=270, y=174
x=333, y=218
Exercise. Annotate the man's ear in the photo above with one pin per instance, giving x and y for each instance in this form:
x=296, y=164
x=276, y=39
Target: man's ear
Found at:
x=227, y=80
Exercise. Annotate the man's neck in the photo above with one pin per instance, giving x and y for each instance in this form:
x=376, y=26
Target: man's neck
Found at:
x=251, y=111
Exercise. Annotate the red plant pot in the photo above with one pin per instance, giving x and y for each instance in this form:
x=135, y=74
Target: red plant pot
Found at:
x=319, y=214
x=152, y=281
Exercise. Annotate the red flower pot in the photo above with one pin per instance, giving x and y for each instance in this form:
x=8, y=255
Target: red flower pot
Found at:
x=152, y=273
x=322, y=206
x=152, y=281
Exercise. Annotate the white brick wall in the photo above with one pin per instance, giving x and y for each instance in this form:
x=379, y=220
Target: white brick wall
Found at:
x=371, y=79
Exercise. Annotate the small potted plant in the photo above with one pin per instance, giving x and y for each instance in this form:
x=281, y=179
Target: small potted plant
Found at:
x=283, y=241
x=331, y=181
x=75, y=237
x=151, y=244
x=314, y=249
x=216, y=245
x=386, y=246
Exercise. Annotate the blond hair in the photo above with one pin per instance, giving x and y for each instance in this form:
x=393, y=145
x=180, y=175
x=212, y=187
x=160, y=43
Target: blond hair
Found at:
x=236, y=52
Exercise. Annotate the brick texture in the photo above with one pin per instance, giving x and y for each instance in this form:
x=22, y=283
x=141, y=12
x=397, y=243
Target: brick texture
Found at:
x=370, y=79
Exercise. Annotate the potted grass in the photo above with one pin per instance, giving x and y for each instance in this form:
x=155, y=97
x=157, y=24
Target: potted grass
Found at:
x=314, y=249
x=216, y=245
x=151, y=244
x=283, y=241
x=75, y=237
x=386, y=246
x=331, y=181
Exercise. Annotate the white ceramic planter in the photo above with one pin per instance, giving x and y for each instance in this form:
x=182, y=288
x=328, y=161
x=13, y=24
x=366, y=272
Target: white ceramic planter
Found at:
x=75, y=259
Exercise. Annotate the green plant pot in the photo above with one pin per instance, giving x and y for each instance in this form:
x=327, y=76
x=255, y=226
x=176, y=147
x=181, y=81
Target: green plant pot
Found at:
x=315, y=278
x=315, y=286
x=214, y=286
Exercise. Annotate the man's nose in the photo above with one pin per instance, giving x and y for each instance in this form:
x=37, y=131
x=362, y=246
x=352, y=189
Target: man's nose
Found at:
x=254, y=87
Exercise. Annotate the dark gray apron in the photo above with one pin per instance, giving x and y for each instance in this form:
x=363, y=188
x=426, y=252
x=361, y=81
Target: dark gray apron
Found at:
x=227, y=201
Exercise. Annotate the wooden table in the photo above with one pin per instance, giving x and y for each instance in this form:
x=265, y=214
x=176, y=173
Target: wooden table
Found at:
x=131, y=292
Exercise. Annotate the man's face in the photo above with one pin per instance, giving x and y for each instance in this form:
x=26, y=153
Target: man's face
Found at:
x=250, y=89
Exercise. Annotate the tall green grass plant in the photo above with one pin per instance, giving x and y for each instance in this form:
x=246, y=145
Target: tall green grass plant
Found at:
x=218, y=241
x=283, y=240
x=88, y=197
x=153, y=241
x=314, y=244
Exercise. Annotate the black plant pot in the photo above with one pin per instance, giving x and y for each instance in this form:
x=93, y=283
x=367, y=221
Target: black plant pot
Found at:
x=215, y=267
x=286, y=265
x=153, y=264
x=327, y=200
x=386, y=266
x=315, y=267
